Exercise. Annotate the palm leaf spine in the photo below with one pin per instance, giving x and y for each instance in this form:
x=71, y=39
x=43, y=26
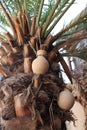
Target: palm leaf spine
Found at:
x=57, y=20
x=49, y=17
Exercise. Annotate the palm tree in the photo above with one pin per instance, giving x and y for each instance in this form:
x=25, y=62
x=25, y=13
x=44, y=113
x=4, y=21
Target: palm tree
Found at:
x=32, y=86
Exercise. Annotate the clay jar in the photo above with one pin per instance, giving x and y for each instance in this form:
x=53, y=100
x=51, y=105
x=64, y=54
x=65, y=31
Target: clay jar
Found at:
x=40, y=65
x=65, y=100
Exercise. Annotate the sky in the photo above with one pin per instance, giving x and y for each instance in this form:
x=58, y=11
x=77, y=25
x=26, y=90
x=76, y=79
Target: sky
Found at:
x=75, y=9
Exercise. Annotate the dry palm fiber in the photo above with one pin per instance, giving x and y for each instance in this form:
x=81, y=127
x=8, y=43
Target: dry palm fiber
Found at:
x=42, y=99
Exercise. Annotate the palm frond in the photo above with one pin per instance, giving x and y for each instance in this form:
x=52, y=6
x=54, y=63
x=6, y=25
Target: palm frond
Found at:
x=50, y=16
x=3, y=28
x=45, y=12
x=81, y=54
x=40, y=11
x=75, y=38
x=47, y=15
x=65, y=66
x=58, y=15
x=2, y=18
x=9, y=20
x=78, y=19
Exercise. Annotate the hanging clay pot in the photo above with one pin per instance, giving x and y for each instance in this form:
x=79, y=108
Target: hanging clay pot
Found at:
x=40, y=65
x=41, y=53
x=65, y=100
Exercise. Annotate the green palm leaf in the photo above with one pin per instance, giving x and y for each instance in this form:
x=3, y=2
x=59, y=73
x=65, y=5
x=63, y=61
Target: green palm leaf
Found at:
x=48, y=15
